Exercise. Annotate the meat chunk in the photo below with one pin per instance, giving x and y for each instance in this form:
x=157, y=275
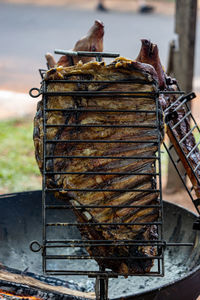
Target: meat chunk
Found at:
x=111, y=177
x=149, y=55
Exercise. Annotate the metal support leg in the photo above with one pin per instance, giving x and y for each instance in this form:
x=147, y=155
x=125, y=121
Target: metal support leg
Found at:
x=101, y=287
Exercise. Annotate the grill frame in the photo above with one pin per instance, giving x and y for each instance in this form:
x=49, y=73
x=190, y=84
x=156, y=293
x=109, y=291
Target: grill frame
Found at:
x=170, y=113
x=50, y=244
x=102, y=275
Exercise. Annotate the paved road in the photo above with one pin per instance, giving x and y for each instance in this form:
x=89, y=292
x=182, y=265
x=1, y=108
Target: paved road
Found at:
x=27, y=32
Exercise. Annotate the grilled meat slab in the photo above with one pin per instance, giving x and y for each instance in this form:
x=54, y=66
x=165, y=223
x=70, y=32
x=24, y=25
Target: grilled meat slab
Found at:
x=116, y=198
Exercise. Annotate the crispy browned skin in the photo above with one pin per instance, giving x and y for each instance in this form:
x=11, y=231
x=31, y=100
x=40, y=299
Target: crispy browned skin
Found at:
x=93, y=41
x=149, y=55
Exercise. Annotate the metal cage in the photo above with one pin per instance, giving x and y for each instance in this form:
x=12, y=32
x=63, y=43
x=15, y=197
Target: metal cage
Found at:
x=58, y=252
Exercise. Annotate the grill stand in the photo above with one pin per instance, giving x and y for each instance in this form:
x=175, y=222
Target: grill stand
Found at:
x=101, y=287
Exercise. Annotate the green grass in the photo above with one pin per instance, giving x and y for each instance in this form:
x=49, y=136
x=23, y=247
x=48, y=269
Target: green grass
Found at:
x=18, y=168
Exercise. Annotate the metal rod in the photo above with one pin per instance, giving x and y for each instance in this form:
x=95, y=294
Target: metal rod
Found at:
x=181, y=120
x=103, y=141
x=103, y=94
x=102, y=190
x=70, y=109
x=85, y=243
x=101, y=157
x=100, y=126
x=198, y=165
x=188, y=155
x=101, y=206
x=73, y=257
x=102, y=173
x=185, y=136
x=173, y=104
x=44, y=185
x=80, y=81
x=95, y=273
x=103, y=224
x=85, y=53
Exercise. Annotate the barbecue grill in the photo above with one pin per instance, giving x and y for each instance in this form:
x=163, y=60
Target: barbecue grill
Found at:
x=21, y=223
x=60, y=255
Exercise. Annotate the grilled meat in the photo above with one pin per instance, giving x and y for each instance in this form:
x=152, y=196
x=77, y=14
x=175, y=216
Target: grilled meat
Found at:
x=112, y=157
x=149, y=55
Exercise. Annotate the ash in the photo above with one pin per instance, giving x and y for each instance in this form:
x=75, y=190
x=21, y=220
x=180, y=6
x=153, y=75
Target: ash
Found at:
x=176, y=263
x=175, y=268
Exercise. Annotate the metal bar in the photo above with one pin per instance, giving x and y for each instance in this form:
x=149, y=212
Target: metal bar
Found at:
x=102, y=157
x=188, y=155
x=160, y=262
x=85, y=243
x=103, y=224
x=101, y=126
x=78, y=242
x=73, y=257
x=110, y=274
x=101, y=173
x=198, y=165
x=180, y=121
x=103, y=94
x=101, y=206
x=102, y=190
x=44, y=184
x=102, y=141
x=180, y=105
x=85, y=53
x=107, y=93
x=189, y=132
x=174, y=103
x=100, y=110
x=134, y=81
x=193, y=119
x=118, y=245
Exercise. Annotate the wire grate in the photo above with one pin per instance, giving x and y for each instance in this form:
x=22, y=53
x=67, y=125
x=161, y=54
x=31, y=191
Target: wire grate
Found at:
x=59, y=253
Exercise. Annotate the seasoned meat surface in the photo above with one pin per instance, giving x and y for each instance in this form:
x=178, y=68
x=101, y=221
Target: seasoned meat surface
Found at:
x=102, y=138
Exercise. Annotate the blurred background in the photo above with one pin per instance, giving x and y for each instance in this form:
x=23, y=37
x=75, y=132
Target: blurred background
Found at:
x=30, y=28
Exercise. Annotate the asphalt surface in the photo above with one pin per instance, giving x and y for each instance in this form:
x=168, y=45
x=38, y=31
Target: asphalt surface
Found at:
x=27, y=32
